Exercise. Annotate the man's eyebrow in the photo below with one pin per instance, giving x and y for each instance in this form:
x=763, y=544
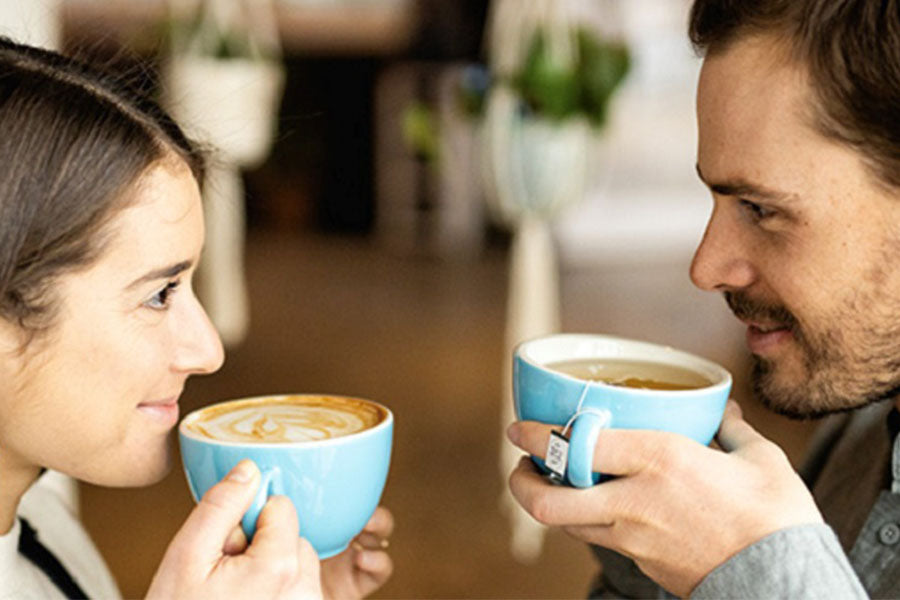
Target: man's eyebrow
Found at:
x=743, y=189
x=162, y=273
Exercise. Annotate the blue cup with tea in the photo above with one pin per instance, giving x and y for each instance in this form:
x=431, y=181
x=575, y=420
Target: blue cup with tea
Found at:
x=588, y=382
x=329, y=454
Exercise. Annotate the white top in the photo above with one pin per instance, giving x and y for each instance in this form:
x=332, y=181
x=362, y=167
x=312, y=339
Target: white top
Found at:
x=61, y=532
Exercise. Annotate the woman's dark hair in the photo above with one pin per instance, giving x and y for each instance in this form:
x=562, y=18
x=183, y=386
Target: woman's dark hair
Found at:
x=851, y=49
x=73, y=141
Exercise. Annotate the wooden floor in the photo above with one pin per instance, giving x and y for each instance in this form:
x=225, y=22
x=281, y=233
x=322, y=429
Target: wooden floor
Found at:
x=425, y=337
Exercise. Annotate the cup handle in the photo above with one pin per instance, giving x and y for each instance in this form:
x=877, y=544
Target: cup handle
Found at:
x=269, y=485
x=581, y=446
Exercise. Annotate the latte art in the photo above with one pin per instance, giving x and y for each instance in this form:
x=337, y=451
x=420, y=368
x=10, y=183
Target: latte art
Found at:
x=285, y=419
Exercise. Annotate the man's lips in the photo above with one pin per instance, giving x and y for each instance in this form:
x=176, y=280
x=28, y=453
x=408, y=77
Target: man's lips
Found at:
x=764, y=327
x=764, y=338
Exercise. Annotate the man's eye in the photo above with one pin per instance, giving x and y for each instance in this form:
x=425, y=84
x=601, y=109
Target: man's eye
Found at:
x=161, y=299
x=755, y=211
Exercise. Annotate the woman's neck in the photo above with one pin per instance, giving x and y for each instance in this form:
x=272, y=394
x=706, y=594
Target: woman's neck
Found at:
x=16, y=478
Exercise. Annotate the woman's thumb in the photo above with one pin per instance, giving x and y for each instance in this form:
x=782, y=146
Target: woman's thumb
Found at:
x=209, y=525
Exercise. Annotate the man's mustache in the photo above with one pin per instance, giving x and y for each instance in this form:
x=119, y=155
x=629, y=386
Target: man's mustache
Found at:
x=747, y=309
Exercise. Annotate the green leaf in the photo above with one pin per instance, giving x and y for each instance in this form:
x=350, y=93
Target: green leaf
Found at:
x=420, y=132
x=559, y=91
x=602, y=69
x=547, y=87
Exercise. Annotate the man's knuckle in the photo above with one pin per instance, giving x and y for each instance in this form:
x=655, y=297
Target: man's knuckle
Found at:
x=773, y=452
x=665, y=457
x=542, y=509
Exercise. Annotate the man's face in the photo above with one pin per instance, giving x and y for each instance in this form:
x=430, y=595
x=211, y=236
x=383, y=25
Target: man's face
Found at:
x=803, y=240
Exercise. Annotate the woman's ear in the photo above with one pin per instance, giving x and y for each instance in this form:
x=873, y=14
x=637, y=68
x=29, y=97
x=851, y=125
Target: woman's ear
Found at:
x=13, y=341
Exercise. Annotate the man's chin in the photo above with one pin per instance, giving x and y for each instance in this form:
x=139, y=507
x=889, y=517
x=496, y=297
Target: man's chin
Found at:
x=774, y=390
x=792, y=411
x=809, y=400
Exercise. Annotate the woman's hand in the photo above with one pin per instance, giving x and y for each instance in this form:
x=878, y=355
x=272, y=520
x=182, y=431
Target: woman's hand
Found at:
x=363, y=567
x=209, y=557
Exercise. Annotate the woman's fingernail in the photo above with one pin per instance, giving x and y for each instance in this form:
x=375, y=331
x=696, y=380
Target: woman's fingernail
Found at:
x=235, y=542
x=384, y=543
x=242, y=472
x=512, y=432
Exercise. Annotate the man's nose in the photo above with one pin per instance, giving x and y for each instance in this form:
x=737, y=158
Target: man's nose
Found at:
x=721, y=262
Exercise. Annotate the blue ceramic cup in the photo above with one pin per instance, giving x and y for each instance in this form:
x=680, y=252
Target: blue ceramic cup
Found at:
x=543, y=393
x=335, y=484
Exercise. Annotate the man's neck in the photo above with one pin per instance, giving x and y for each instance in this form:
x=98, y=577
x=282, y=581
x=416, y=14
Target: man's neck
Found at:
x=16, y=478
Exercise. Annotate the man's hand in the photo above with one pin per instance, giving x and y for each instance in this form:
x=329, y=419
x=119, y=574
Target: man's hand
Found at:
x=363, y=567
x=209, y=556
x=677, y=508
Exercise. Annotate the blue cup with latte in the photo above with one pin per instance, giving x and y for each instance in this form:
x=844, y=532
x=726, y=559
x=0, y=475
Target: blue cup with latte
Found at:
x=587, y=382
x=329, y=454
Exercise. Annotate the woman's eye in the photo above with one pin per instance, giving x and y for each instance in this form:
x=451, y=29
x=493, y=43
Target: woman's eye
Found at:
x=755, y=211
x=160, y=300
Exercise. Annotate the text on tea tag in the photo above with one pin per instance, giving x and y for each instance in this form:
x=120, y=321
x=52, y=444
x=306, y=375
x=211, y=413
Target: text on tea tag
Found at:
x=557, y=455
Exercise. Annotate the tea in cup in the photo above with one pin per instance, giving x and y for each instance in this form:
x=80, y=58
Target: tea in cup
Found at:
x=587, y=382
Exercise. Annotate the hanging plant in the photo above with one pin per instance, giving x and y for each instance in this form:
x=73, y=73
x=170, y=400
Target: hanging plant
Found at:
x=223, y=29
x=558, y=91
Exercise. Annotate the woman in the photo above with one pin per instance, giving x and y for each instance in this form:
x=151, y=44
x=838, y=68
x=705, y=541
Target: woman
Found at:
x=101, y=228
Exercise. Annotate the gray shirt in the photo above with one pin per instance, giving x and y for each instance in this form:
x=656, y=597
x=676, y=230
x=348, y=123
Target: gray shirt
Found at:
x=854, y=473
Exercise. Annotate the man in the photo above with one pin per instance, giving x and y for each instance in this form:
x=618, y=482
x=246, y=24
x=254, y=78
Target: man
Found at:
x=799, y=142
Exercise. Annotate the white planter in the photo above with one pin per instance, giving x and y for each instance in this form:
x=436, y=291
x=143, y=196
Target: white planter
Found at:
x=533, y=167
x=231, y=104
x=35, y=22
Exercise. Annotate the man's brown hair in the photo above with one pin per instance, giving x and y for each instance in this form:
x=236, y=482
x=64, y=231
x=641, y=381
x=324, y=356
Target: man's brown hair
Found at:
x=851, y=49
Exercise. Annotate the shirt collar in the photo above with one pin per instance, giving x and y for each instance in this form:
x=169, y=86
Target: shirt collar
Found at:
x=9, y=551
x=893, y=425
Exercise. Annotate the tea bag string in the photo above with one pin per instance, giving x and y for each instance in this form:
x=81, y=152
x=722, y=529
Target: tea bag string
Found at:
x=603, y=414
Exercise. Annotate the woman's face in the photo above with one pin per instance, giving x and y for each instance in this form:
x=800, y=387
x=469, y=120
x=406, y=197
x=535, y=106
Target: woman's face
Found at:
x=97, y=395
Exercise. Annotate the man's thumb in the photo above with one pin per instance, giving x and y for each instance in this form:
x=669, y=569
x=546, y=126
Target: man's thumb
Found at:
x=734, y=431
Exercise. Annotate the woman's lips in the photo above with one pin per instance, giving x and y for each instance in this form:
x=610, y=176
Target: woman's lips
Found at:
x=165, y=411
x=764, y=339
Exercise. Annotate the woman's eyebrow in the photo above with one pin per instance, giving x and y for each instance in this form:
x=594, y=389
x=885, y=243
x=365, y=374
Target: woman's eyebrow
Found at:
x=162, y=273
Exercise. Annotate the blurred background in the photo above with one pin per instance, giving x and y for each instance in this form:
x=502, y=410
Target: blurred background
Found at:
x=380, y=227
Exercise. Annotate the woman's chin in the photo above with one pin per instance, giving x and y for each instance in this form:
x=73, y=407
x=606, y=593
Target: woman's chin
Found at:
x=142, y=472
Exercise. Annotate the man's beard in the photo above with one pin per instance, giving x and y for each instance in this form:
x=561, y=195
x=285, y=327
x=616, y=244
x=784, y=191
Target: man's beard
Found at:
x=844, y=367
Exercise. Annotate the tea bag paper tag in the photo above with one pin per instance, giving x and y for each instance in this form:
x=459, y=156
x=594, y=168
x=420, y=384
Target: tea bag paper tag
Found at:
x=557, y=456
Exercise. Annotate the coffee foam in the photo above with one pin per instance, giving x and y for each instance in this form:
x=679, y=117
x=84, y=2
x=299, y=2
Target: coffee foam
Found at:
x=285, y=419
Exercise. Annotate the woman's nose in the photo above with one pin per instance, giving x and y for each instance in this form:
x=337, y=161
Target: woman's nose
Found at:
x=200, y=348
